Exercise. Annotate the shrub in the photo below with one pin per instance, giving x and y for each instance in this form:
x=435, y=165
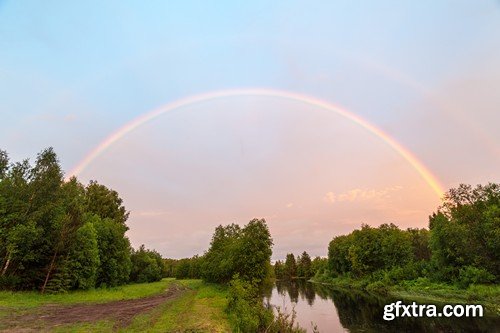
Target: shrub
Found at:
x=245, y=308
x=377, y=287
x=472, y=275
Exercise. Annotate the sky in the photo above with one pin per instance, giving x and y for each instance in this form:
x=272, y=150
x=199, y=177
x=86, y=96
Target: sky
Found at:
x=424, y=74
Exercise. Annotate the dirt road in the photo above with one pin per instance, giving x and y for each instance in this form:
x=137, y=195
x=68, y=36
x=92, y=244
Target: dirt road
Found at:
x=50, y=316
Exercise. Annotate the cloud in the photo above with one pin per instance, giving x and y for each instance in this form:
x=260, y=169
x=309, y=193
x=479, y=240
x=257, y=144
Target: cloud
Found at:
x=151, y=213
x=289, y=205
x=358, y=194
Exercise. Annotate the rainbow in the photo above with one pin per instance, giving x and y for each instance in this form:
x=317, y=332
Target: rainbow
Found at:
x=419, y=167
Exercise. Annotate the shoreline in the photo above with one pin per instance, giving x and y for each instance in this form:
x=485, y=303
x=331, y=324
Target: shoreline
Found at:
x=431, y=294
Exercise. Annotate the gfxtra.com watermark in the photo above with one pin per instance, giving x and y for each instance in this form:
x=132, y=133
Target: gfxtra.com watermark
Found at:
x=398, y=310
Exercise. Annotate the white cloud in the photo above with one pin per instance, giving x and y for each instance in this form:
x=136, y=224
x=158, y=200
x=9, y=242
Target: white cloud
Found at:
x=358, y=194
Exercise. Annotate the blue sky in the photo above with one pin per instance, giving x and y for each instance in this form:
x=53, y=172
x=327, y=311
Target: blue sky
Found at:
x=426, y=72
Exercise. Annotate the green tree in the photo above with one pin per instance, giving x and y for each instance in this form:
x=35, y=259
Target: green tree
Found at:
x=318, y=265
x=254, y=251
x=233, y=250
x=279, y=270
x=465, y=231
x=83, y=261
x=290, y=266
x=369, y=249
x=219, y=264
x=339, y=262
x=146, y=265
x=114, y=246
x=304, y=265
x=420, y=243
x=114, y=253
x=105, y=203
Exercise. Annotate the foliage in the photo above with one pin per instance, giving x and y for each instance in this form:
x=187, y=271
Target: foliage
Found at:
x=369, y=249
x=304, y=265
x=290, y=266
x=471, y=275
x=114, y=253
x=318, y=266
x=462, y=246
x=146, y=265
x=58, y=235
x=187, y=268
x=234, y=250
x=465, y=231
x=285, y=322
x=245, y=309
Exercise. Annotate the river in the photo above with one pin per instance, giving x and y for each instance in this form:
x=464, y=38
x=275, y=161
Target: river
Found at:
x=334, y=310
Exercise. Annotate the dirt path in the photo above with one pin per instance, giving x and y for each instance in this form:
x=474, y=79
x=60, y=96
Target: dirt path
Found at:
x=122, y=312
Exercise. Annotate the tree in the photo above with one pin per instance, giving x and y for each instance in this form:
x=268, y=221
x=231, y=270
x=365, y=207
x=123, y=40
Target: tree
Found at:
x=146, y=265
x=114, y=246
x=105, y=203
x=369, y=249
x=64, y=229
x=83, y=260
x=290, y=266
x=57, y=235
x=255, y=250
x=219, y=264
x=304, y=265
x=420, y=243
x=279, y=270
x=465, y=231
x=339, y=262
x=318, y=265
x=233, y=250
x=114, y=253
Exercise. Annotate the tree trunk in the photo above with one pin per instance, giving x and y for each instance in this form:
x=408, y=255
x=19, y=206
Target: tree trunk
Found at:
x=6, y=265
x=51, y=267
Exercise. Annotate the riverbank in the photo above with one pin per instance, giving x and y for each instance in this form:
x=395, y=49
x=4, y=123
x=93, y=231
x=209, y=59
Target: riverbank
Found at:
x=164, y=306
x=423, y=291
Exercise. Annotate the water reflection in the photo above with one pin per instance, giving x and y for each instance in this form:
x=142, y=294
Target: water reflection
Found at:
x=334, y=310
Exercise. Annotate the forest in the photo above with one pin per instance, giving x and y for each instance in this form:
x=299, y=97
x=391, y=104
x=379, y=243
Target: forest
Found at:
x=58, y=235
x=460, y=248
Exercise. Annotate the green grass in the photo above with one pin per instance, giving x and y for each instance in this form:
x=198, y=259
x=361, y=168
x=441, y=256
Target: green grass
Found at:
x=423, y=290
x=100, y=326
x=200, y=308
x=19, y=300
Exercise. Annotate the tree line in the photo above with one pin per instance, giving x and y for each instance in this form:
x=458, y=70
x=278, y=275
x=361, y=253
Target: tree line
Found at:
x=233, y=250
x=58, y=235
x=302, y=267
x=461, y=246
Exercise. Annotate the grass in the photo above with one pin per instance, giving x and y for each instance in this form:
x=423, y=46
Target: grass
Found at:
x=200, y=308
x=32, y=299
x=425, y=291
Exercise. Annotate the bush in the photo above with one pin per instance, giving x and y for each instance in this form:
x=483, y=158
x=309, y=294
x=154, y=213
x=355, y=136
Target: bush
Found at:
x=397, y=274
x=245, y=308
x=9, y=282
x=378, y=287
x=285, y=323
x=472, y=275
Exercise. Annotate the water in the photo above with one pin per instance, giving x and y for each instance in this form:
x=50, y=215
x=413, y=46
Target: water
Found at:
x=334, y=310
